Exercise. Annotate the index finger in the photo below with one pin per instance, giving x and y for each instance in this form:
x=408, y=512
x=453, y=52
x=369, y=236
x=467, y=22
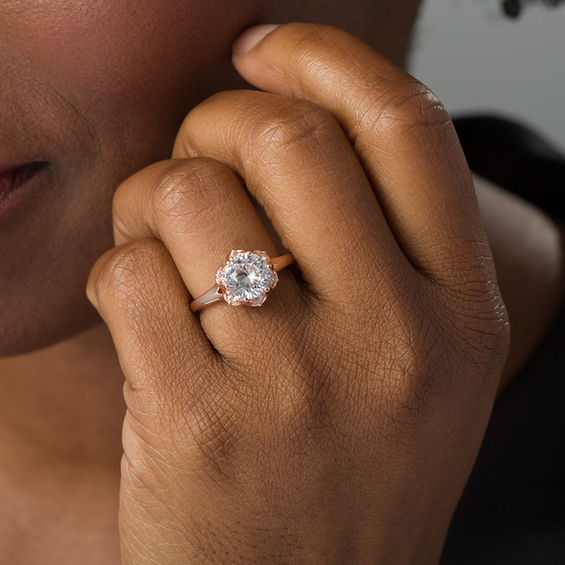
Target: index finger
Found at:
x=401, y=132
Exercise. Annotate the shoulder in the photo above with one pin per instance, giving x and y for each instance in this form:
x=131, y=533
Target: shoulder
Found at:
x=518, y=174
x=527, y=246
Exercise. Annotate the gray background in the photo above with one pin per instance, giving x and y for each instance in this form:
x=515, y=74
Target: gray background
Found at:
x=473, y=58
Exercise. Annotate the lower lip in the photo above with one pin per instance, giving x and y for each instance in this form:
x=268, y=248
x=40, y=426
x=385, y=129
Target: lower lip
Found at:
x=9, y=198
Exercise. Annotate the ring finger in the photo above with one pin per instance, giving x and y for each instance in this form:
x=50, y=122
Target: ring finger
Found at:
x=199, y=209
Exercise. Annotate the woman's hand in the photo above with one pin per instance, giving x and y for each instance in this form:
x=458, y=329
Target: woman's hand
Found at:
x=338, y=422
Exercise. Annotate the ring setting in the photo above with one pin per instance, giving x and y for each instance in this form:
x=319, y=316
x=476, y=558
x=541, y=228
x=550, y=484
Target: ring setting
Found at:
x=245, y=279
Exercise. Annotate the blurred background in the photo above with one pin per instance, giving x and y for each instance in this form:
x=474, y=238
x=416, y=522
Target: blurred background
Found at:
x=475, y=59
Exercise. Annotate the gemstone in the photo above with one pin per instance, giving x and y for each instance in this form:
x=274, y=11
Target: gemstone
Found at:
x=246, y=277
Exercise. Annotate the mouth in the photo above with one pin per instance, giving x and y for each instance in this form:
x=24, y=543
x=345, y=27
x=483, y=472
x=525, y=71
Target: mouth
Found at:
x=12, y=178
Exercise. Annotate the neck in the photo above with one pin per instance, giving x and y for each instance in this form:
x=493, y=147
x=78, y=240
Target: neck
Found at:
x=64, y=402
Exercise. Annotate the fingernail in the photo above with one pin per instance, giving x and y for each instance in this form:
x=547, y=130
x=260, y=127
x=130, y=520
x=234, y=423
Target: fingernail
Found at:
x=250, y=37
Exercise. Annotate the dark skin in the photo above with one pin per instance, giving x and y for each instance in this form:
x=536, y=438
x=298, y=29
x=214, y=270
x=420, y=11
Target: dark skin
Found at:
x=71, y=428
x=61, y=105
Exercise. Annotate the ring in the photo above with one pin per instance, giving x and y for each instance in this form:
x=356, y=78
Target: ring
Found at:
x=244, y=279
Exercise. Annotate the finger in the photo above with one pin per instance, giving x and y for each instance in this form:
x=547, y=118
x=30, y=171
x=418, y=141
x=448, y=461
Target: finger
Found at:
x=137, y=290
x=300, y=167
x=401, y=132
x=199, y=209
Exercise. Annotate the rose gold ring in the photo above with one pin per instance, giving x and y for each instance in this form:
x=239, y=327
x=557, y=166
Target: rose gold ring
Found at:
x=244, y=279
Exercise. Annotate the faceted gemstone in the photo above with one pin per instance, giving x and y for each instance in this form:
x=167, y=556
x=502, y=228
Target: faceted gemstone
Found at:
x=246, y=277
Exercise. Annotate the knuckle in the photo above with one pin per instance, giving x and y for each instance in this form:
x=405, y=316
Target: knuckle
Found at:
x=121, y=276
x=189, y=188
x=402, y=103
x=295, y=125
x=131, y=189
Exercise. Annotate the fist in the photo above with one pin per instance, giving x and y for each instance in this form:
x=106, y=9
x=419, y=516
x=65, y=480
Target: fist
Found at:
x=339, y=421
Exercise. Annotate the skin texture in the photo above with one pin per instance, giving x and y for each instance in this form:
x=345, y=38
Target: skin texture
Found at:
x=60, y=103
x=60, y=444
x=396, y=295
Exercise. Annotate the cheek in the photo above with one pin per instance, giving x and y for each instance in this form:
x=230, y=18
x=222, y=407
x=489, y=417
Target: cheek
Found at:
x=125, y=52
x=99, y=89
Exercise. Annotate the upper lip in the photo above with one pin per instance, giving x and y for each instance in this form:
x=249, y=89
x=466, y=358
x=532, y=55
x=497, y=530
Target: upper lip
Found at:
x=20, y=173
x=8, y=168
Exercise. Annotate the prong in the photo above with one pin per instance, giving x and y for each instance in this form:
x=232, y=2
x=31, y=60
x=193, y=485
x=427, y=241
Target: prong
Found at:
x=220, y=275
x=259, y=300
x=274, y=280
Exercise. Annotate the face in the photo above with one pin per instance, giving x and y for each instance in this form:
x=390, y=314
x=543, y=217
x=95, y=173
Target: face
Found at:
x=92, y=91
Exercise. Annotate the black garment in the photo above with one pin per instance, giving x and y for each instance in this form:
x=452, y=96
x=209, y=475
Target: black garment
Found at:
x=512, y=511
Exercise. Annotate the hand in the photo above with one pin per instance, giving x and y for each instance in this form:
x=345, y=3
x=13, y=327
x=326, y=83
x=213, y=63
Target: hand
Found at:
x=338, y=422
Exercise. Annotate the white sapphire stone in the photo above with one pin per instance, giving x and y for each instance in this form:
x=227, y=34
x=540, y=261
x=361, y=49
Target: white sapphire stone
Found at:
x=246, y=277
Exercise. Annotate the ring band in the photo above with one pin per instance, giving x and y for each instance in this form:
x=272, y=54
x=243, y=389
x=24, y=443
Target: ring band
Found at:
x=244, y=279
